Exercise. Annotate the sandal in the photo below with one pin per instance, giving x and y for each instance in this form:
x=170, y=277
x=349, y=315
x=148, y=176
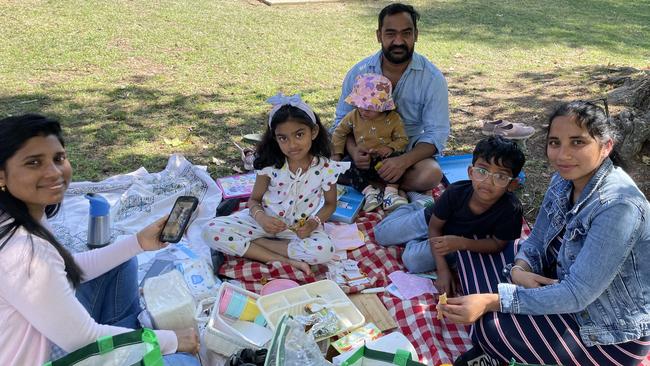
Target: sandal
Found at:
x=508, y=130
x=253, y=137
x=247, y=156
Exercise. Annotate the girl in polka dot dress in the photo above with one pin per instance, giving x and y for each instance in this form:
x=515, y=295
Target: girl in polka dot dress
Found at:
x=294, y=193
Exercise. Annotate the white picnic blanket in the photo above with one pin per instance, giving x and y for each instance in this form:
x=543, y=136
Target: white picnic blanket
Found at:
x=137, y=199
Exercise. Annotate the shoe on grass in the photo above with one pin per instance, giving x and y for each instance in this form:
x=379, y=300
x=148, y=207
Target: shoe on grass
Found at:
x=373, y=198
x=507, y=130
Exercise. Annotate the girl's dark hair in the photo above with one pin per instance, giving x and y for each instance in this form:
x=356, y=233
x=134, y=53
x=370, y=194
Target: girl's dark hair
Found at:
x=14, y=133
x=268, y=151
x=593, y=119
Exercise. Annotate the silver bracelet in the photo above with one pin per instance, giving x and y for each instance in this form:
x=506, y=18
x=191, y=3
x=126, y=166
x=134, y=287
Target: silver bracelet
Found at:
x=252, y=211
x=256, y=212
x=516, y=266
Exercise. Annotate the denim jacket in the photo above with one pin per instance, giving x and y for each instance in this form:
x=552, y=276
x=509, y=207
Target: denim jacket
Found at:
x=603, y=265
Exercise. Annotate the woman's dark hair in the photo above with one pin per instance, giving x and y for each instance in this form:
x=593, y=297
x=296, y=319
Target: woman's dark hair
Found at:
x=397, y=8
x=501, y=152
x=268, y=151
x=14, y=133
x=592, y=118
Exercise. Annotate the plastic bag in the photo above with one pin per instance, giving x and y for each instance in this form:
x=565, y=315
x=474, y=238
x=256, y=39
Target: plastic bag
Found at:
x=199, y=278
x=291, y=346
x=139, y=347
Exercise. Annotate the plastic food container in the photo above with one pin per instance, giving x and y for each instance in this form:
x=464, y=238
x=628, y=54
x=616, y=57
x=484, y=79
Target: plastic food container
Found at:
x=225, y=335
x=294, y=300
x=277, y=285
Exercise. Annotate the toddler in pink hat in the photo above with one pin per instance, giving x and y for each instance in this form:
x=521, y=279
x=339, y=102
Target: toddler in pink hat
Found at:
x=378, y=129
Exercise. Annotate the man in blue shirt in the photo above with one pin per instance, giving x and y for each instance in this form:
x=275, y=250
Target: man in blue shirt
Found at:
x=420, y=92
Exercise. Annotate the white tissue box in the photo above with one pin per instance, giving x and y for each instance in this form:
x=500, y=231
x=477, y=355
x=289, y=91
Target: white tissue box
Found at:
x=169, y=301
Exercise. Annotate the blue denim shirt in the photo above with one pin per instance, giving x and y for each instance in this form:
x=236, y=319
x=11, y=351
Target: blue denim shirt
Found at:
x=603, y=265
x=420, y=95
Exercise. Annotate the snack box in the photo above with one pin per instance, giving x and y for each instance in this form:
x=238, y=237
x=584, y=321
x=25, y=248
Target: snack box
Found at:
x=293, y=302
x=237, y=186
x=348, y=205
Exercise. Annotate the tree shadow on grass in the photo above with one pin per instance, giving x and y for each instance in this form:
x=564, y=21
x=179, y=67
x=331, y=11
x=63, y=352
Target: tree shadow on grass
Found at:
x=115, y=130
x=111, y=131
x=622, y=26
x=530, y=98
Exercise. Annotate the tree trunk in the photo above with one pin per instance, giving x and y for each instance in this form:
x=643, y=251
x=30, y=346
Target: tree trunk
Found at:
x=634, y=120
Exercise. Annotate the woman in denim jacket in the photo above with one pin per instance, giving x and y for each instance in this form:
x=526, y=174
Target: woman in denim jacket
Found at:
x=580, y=284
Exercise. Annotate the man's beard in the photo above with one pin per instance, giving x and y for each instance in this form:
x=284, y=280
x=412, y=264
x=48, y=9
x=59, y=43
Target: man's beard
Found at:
x=405, y=57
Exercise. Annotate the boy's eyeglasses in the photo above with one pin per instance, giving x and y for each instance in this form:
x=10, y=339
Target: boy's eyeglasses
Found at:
x=499, y=180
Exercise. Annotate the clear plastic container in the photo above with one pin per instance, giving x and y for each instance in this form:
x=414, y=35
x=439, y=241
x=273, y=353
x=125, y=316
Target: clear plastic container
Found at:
x=294, y=300
x=225, y=335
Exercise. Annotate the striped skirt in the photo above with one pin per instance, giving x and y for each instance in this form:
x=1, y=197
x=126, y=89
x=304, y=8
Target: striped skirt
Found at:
x=540, y=339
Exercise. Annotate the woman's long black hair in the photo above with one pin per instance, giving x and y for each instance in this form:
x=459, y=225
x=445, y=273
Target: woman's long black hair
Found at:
x=268, y=151
x=14, y=133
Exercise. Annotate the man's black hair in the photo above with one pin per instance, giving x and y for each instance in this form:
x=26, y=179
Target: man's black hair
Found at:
x=397, y=8
x=501, y=152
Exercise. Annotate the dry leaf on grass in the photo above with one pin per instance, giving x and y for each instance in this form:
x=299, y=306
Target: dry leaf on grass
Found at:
x=218, y=161
x=173, y=142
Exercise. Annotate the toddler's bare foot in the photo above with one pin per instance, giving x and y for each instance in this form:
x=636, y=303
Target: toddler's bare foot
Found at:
x=301, y=266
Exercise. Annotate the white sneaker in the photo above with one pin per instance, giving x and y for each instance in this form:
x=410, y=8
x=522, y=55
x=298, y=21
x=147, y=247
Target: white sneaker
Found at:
x=392, y=200
x=373, y=198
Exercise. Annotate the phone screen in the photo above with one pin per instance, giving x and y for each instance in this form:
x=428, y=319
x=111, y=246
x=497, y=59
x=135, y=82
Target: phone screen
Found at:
x=178, y=219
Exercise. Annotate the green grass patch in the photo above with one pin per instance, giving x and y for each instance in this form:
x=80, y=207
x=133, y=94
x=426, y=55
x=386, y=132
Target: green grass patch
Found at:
x=136, y=81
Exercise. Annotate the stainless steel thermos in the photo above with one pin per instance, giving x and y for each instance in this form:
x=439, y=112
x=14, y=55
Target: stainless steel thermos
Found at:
x=99, y=221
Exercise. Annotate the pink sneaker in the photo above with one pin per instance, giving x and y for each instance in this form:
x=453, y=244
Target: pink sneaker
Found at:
x=508, y=130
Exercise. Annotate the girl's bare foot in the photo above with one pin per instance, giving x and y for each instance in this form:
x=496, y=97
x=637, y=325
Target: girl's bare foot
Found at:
x=301, y=266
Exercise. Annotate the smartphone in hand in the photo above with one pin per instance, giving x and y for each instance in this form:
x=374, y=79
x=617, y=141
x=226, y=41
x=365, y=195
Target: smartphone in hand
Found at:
x=178, y=219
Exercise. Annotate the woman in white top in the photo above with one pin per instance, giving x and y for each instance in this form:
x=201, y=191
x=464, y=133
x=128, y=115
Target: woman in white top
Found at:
x=38, y=277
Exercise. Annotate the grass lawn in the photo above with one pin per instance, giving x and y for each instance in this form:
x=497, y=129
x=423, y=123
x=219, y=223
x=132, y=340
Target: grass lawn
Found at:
x=133, y=81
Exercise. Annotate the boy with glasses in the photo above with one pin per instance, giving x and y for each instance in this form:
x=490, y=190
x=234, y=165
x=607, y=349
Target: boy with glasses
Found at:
x=472, y=218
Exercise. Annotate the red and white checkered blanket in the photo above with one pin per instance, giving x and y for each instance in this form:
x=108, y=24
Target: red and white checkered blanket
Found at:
x=436, y=341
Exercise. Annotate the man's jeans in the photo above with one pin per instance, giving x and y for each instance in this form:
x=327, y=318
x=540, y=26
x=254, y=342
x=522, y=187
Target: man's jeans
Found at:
x=113, y=299
x=407, y=225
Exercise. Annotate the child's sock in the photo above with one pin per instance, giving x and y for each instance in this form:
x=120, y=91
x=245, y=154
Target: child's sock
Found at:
x=424, y=199
x=390, y=190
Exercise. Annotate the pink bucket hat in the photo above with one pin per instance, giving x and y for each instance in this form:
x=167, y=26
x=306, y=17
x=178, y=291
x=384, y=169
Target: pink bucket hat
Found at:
x=372, y=92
